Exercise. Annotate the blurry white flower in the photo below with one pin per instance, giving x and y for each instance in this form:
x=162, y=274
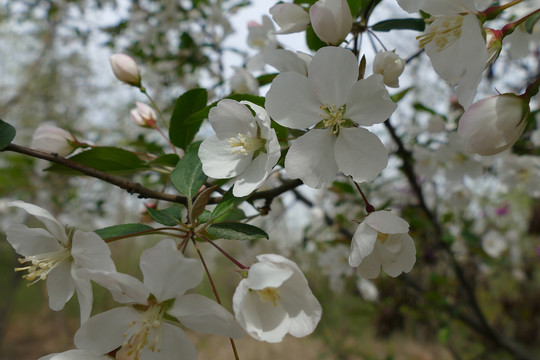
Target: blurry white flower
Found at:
x=521, y=171
x=261, y=36
x=139, y=329
x=331, y=101
x=436, y=124
x=331, y=20
x=494, y=124
x=143, y=115
x=275, y=299
x=494, y=244
x=242, y=82
x=382, y=239
x=390, y=66
x=126, y=69
x=74, y=355
x=290, y=17
x=333, y=263
x=53, y=139
x=58, y=257
x=367, y=289
x=244, y=146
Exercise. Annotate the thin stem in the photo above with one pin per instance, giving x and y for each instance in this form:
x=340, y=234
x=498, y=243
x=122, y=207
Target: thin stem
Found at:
x=509, y=28
x=227, y=255
x=155, y=127
x=369, y=208
x=160, y=115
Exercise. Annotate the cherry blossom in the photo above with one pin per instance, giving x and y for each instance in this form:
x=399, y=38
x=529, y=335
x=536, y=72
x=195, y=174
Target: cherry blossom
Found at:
x=382, y=239
x=59, y=258
x=331, y=20
x=126, y=69
x=53, y=139
x=275, y=299
x=244, y=146
x=332, y=103
x=390, y=66
x=143, y=115
x=140, y=329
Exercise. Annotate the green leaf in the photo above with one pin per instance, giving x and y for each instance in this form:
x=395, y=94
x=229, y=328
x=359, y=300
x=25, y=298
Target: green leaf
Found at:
x=182, y=130
x=312, y=40
x=107, y=159
x=7, y=134
x=226, y=204
x=170, y=216
x=121, y=230
x=402, y=24
x=165, y=160
x=188, y=177
x=204, y=217
x=236, y=231
x=355, y=6
x=400, y=95
x=421, y=107
x=257, y=100
x=531, y=22
x=266, y=79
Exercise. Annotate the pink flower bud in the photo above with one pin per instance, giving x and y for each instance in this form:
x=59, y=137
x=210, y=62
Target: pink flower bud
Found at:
x=125, y=69
x=390, y=66
x=53, y=139
x=143, y=115
x=331, y=20
x=290, y=17
x=492, y=125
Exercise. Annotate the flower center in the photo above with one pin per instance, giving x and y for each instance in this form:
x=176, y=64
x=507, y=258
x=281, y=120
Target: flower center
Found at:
x=138, y=334
x=443, y=31
x=269, y=294
x=43, y=264
x=246, y=145
x=333, y=117
x=459, y=158
x=524, y=175
x=382, y=237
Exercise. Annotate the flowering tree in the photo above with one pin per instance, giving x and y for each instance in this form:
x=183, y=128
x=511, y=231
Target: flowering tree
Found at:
x=423, y=202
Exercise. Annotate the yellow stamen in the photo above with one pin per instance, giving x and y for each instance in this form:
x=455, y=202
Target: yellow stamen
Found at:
x=443, y=31
x=269, y=294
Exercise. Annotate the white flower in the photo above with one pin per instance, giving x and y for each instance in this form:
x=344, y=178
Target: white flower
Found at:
x=244, y=146
x=333, y=263
x=125, y=69
x=382, y=239
x=494, y=124
x=74, y=355
x=390, y=66
x=140, y=329
x=331, y=20
x=494, y=244
x=242, y=82
x=274, y=300
x=261, y=36
x=58, y=257
x=332, y=100
x=143, y=115
x=454, y=33
x=290, y=17
x=367, y=289
x=53, y=139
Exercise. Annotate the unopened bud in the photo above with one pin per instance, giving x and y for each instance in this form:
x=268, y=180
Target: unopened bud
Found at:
x=390, y=66
x=290, y=17
x=126, y=69
x=53, y=139
x=143, y=115
x=331, y=20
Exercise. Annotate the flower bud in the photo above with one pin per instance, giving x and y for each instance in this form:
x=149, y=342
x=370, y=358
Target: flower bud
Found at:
x=290, y=17
x=390, y=66
x=125, y=69
x=493, y=44
x=492, y=125
x=143, y=115
x=331, y=20
x=53, y=139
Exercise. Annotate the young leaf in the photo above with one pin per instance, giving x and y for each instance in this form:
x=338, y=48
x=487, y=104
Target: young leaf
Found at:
x=165, y=160
x=170, y=216
x=107, y=159
x=7, y=134
x=403, y=24
x=227, y=203
x=182, y=130
x=188, y=177
x=236, y=231
x=121, y=230
x=201, y=202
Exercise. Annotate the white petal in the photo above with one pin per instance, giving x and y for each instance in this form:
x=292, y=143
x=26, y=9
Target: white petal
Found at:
x=201, y=314
x=167, y=273
x=334, y=71
x=173, y=343
x=311, y=158
x=60, y=286
x=387, y=222
x=370, y=267
x=368, y=102
x=31, y=241
x=406, y=258
x=91, y=252
x=219, y=161
x=105, y=332
x=258, y=276
x=124, y=288
x=292, y=102
x=229, y=117
x=285, y=60
x=75, y=355
x=50, y=222
x=84, y=294
x=252, y=177
x=362, y=244
x=360, y=154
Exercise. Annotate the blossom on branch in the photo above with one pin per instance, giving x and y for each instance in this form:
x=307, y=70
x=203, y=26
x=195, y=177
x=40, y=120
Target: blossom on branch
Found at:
x=275, y=299
x=390, y=66
x=382, y=239
x=331, y=20
x=143, y=115
x=140, y=329
x=332, y=103
x=59, y=258
x=126, y=69
x=290, y=17
x=53, y=139
x=244, y=146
